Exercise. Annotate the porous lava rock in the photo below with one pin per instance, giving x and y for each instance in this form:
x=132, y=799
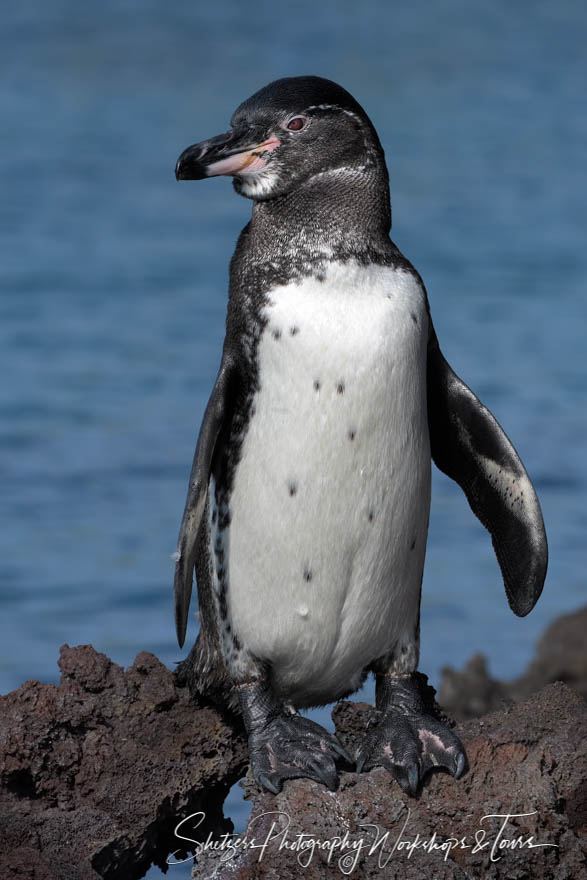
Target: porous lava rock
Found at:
x=97, y=771
x=527, y=762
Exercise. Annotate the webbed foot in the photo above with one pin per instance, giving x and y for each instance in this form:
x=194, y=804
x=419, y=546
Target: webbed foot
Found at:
x=406, y=740
x=284, y=745
x=290, y=747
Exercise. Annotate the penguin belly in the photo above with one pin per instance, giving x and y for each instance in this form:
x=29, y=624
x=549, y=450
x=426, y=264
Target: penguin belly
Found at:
x=330, y=498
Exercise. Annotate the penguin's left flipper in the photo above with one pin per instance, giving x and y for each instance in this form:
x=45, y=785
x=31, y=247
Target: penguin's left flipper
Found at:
x=406, y=740
x=218, y=412
x=469, y=445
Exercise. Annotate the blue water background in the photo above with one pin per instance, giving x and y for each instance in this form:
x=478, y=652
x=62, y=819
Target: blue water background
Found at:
x=114, y=287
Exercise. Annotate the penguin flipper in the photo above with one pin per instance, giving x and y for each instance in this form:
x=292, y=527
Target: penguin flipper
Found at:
x=217, y=411
x=469, y=445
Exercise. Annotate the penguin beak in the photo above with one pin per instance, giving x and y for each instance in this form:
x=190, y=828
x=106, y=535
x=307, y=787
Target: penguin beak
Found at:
x=230, y=153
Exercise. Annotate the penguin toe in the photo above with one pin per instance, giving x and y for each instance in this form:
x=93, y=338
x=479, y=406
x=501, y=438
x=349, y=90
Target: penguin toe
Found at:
x=324, y=770
x=339, y=750
x=408, y=778
x=461, y=765
x=270, y=781
x=440, y=746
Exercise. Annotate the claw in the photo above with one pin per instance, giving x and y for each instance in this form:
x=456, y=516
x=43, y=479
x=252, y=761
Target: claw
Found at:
x=266, y=782
x=340, y=750
x=408, y=778
x=324, y=774
x=413, y=779
x=461, y=762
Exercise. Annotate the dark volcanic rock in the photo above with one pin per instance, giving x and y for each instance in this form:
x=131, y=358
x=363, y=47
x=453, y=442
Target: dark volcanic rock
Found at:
x=561, y=656
x=97, y=771
x=472, y=692
x=530, y=758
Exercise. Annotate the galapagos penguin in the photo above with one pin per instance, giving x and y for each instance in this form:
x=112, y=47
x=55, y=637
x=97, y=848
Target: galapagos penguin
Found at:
x=307, y=511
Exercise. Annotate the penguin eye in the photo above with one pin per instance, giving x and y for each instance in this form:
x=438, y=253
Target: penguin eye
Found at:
x=296, y=123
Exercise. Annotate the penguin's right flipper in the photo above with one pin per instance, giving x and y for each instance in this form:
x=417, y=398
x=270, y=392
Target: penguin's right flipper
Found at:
x=469, y=445
x=218, y=412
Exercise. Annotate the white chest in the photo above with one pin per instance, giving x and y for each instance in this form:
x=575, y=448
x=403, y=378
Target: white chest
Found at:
x=331, y=348
x=329, y=507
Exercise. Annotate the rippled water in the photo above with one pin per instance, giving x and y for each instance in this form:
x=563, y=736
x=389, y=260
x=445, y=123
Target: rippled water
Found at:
x=114, y=287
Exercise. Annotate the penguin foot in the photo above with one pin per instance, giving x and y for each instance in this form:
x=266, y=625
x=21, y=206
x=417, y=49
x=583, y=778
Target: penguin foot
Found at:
x=408, y=741
x=284, y=745
x=410, y=747
x=291, y=747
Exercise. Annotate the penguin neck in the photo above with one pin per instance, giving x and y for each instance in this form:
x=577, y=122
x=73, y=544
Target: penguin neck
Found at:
x=334, y=215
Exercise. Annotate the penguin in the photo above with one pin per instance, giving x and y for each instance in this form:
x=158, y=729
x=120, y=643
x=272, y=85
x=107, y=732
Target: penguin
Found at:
x=307, y=509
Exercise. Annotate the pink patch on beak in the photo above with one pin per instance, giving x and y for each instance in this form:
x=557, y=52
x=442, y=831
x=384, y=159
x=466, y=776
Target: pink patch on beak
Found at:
x=248, y=161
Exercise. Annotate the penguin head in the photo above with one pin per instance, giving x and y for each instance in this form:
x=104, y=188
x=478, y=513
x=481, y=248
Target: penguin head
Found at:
x=286, y=134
